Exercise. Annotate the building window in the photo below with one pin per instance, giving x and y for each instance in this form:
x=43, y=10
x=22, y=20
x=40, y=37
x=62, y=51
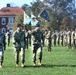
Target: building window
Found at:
x=10, y=20
x=4, y=30
x=3, y=21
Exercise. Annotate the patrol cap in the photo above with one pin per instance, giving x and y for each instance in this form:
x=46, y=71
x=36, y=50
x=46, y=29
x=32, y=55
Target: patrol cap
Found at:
x=19, y=25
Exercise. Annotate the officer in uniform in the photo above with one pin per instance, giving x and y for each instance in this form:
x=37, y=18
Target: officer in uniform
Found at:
x=48, y=37
x=2, y=47
x=37, y=37
x=19, y=42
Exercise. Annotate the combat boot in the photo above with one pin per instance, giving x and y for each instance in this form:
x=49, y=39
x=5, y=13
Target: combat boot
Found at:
x=22, y=65
x=0, y=64
x=34, y=64
x=39, y=63
x=17, y=64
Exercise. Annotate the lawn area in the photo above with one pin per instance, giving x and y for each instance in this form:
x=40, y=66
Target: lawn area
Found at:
x=60, y=61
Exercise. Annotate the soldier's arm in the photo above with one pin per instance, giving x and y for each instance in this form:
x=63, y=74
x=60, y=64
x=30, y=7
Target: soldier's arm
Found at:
x=14, y=38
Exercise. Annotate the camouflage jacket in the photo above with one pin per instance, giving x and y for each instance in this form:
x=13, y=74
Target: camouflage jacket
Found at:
x=19, y=38
x=37, y=37
x=48, y=35
x=2, y=39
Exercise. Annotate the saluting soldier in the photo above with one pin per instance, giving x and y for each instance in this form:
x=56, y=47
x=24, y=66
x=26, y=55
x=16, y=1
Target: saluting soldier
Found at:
x=19, y=42
x=37, y=37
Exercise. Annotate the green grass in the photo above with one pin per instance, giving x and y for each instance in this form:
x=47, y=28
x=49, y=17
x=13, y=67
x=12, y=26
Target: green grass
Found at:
x=60, y=61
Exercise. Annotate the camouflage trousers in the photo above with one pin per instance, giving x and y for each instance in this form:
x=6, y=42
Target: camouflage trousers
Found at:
x=21, y=52
x=48, y=42
x=1, y=54
x=37, y=49
x=74, y=43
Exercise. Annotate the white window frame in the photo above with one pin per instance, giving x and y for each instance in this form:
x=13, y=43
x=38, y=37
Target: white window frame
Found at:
x=3, y=21
x=4, y=30
x=11, y=20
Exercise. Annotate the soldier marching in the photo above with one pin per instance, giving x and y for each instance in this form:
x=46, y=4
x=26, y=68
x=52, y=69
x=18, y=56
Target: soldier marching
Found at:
x=19, y=42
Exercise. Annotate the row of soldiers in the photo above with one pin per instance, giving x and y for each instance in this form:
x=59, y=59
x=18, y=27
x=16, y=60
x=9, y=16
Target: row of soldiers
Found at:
x=56, y=38
x=64, y=38
x=37, y=39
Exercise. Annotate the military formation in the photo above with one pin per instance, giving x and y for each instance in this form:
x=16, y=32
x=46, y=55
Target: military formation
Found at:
x=37, y=39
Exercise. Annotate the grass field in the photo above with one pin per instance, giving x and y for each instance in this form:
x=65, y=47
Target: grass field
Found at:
x=60, y=61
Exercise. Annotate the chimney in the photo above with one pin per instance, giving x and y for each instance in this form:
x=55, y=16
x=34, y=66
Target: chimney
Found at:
x=8, y=5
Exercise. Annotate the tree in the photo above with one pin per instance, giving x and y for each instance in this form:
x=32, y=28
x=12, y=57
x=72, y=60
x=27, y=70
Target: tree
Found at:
x=18, y=20
x=36, y=7
x=59, y=10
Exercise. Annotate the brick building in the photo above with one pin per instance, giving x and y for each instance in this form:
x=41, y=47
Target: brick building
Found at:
x=7, y=16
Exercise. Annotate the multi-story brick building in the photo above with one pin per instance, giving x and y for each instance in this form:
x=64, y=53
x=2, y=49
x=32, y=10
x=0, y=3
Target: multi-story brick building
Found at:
x=7, y=16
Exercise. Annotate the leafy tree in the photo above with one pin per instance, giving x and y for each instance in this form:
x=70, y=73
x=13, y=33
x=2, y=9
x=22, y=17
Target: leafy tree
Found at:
x=18, y=20
x=60, y=9
x=36, y=7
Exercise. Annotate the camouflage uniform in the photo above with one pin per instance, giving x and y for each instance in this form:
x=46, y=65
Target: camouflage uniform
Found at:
x=48, y=37
x=62, y=38
x=74, y=39
x=58, y=39
x=37, y=36
x=55, y=38
x=20, y=44
x=26, y=36
x=2, y=47
x=8, y=35
x=69, y=38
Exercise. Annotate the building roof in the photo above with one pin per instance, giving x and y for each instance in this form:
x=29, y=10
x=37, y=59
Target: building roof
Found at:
x=11, y=11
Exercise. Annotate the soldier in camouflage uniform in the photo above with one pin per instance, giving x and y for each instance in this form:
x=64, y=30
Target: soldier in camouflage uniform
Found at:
x=8, y=36
x=37, y=37
x=19, y=42
x=48, y=37
x=55, y=38
x=2, y=47
x=74, y=39
x=69, y=38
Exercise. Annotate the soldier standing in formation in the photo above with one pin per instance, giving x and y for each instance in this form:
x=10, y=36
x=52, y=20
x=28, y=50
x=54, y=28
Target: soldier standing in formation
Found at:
x=55, y=38
x=48, y=38
x=8, y=35
x=19, y=42
x=37, y=37
x=74, y=39
x=26, y=36
x=62, y=37
x=2, y=47
x=58, y=39
x=69, y=38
